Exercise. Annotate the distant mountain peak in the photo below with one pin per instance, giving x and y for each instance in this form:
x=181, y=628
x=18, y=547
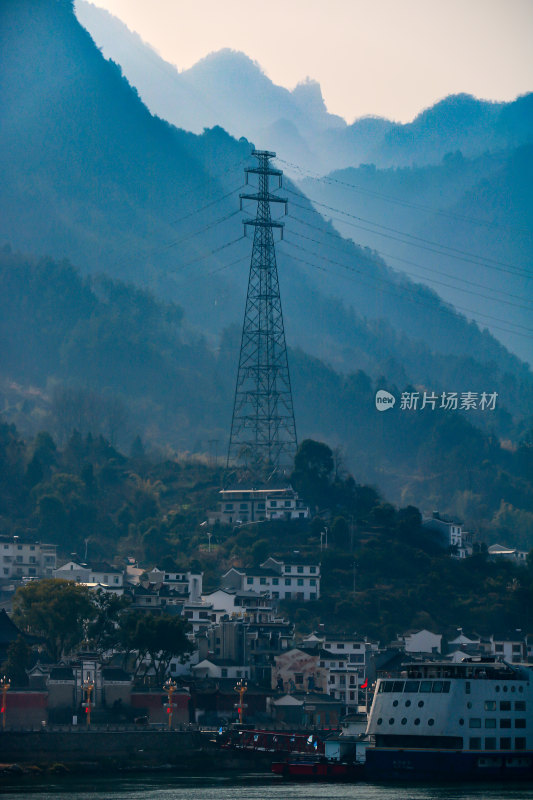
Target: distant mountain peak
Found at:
x=228, y=60
x=309, y=93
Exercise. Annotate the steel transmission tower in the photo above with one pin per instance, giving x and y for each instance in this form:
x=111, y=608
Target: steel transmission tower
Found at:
x=263, y=430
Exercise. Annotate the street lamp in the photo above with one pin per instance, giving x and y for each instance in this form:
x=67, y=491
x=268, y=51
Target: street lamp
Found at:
x=169, y=687
x=5, y=685
x=240, y=688
x=209, y=535
x=88, y=686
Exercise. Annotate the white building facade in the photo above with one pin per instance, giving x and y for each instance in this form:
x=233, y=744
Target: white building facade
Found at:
x=283, y=580
x=452, y=533
x=187, y=584
x=240, y=506
x=25, y=558
x=96, y=576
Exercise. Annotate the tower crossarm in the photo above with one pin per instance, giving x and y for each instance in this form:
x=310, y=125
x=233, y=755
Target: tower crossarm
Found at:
x=262, y=224
x=270, y=198
x=263, y=171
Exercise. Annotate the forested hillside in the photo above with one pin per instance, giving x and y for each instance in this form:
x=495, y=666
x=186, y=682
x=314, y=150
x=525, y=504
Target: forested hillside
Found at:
x=103, y=357
x=383, y=577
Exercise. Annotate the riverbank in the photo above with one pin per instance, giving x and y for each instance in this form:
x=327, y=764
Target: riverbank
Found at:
x=81, y=751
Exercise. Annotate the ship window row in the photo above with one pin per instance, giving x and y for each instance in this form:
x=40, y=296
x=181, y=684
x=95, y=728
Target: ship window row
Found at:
x=505, y=705
x=475, y=722
x=392, y=720
x=490, y=743
x=436, y=687
x=506, y=688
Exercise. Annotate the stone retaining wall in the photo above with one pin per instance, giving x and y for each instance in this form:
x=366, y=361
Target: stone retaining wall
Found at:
x=113, y=747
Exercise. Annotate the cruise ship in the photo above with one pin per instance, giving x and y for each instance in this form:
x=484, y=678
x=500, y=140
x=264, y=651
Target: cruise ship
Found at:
x=466, y=720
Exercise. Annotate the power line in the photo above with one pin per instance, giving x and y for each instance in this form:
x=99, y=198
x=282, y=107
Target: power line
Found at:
x=207, y=205
x=429, y=280
x=338, y=236
x=202, y=230
x=205, y=255
x=456, y=253
x=399, y=288
x=406, y=203
x=227, y=266
x=440, y=309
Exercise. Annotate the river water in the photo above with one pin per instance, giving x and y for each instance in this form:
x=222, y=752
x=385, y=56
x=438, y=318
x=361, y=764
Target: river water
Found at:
x=252, y=787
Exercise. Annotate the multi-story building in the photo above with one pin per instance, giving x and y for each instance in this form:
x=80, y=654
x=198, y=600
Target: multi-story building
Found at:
x=298, y=669
x=512, y=647
x=186, y=584
x=345, y=658
x=240, y=505
x=156, y=598
x=202, y=615
x=23, y=557
x=451, y=533
x=235, y=603
x=251, y=642
x=283, y=580
x=343, y=678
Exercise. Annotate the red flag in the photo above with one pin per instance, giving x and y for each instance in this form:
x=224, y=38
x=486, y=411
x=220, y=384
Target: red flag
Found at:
x=364, y=685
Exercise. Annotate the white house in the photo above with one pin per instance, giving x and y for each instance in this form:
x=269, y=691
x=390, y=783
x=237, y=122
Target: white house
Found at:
x=100, y=575
x=183, y=665
x=235, y=603
x=511, y=647
x=345, y=658
x=220, y=668
x=283, y=580
x=187, y=584
x=422, y=642
x=452, y=534
x=497, y=551
x=22, y=557
x=241, y=505
x=355, y=650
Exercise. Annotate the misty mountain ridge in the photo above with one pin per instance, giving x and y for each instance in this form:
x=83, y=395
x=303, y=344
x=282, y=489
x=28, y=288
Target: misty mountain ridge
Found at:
x=479, y=205
x=93, y=177
x=228, y=88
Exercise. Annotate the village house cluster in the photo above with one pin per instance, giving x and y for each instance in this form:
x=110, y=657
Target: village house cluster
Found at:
x=237, y=634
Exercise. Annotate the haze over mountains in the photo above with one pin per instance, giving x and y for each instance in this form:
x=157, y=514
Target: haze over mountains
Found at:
x=471, y=196
x=229, y=89
x=88, y=174
x=464, y=227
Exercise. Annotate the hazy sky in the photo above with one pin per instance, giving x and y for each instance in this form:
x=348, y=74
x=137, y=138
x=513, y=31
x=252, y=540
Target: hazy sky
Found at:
x=386, y=57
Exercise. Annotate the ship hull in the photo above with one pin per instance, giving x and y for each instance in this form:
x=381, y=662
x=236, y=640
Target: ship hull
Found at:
x=317, y=770
x=411, y=764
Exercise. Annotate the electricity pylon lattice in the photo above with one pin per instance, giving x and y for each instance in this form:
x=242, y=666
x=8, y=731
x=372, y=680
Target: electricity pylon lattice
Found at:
x=263, y=430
